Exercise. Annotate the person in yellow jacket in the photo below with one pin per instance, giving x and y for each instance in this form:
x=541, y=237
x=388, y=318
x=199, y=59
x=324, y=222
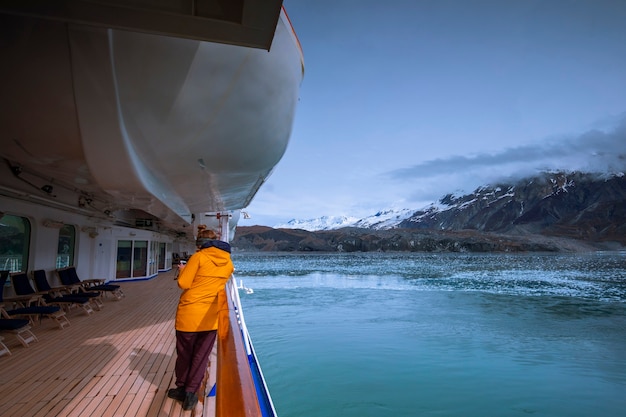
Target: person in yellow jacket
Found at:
x=201, y=279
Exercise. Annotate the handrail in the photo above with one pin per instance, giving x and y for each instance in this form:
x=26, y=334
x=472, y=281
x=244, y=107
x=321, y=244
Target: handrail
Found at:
x=235, y=392
x=265, y=399
x=234, y=296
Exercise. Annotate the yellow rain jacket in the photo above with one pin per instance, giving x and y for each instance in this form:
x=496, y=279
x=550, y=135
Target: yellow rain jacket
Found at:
x=205, y=275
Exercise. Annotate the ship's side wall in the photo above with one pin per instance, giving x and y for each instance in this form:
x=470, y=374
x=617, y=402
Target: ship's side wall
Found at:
x=95, y=248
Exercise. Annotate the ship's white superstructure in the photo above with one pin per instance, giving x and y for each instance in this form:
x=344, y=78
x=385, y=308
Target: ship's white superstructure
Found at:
x=125, y=124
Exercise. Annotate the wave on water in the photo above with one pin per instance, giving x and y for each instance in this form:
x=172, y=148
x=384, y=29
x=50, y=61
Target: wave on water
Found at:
x=600, y=277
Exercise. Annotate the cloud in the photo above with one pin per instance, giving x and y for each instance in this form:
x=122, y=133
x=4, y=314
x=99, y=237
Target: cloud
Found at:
x=598, y=150
x=593, y=151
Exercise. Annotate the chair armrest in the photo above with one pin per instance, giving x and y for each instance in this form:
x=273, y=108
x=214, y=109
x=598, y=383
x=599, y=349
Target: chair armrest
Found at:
x=24, y=300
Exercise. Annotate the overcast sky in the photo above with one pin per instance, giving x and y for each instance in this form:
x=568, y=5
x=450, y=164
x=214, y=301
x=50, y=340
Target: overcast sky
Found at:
x=405, y=101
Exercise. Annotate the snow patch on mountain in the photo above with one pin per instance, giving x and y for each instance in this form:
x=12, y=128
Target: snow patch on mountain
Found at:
x=320, y=223
x=384, y=219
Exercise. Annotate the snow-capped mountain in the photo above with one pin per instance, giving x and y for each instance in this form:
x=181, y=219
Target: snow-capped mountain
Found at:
x=553, y=211
x=556, y=203
x=320, y=223
x=384, y=219
x=552, y=202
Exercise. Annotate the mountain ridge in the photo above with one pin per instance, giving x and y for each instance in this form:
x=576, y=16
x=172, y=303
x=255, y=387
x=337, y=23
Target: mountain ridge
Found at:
x=552, y=211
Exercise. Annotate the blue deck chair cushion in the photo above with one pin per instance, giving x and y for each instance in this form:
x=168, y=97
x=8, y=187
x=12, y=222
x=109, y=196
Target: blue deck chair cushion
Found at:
x=72, y=276
x=41, y=281
x=42, y=284
x=52, y=294
x=68, y=278
x=13, y=324
x=76, y=280
x=21, y=284
x=34, y=310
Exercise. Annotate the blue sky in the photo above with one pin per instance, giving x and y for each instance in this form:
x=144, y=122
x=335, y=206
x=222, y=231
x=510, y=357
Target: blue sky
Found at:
x=405, y=101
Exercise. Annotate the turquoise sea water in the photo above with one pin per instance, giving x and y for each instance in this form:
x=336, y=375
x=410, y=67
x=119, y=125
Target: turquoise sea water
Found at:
x=403, y=334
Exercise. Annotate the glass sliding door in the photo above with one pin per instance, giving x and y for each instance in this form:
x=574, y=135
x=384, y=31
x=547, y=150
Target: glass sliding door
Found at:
x=153, y=255
x=162, y=247
x=132, y=259
x=124, y=258
x=140, y=258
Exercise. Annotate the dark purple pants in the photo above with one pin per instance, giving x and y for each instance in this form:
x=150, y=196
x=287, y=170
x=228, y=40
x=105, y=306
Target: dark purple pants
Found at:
x=192, y=350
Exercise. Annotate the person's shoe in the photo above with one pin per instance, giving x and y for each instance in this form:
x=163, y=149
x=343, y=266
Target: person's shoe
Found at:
x=191, y=399
x=177, y=393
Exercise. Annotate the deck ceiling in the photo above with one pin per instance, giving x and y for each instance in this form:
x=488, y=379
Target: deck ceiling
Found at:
x=238, y=22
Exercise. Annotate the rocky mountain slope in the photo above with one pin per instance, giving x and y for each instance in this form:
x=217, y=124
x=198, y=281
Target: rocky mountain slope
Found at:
x=575, y=205
x=555, y=211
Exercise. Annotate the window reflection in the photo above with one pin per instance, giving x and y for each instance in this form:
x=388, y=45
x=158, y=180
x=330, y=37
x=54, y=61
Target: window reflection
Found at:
x=66, y=246
x=14, y=243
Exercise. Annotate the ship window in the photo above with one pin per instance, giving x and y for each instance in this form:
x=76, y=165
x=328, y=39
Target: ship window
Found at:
x=66, y=247
x=14, y=243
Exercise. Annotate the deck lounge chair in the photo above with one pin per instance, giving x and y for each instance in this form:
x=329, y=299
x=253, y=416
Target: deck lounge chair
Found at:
x=32, y=305
x=95, y=284
x=4, y=276
x=56, y=295
x=74, y=284
x=20, y=327
x=4, y=350
x=91, y=284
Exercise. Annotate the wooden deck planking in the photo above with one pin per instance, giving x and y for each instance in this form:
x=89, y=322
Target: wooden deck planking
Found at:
x=118, y=361
x=209, y=402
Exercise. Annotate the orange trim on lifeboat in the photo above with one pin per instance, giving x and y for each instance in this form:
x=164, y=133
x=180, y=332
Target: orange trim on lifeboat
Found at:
x=295, y=35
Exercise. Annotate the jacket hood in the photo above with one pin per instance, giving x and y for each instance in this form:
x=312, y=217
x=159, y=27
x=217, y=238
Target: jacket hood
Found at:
x=219, y=257
x=219, y=244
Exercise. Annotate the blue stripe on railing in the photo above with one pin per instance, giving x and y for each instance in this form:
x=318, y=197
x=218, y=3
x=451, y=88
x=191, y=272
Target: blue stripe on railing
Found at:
x=262, y=394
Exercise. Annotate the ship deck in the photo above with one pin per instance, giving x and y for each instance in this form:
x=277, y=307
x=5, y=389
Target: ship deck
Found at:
x=115, y=362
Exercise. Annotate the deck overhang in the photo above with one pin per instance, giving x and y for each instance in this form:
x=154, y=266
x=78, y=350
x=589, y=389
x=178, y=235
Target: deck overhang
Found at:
x=248, y=23
x=154, y=108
